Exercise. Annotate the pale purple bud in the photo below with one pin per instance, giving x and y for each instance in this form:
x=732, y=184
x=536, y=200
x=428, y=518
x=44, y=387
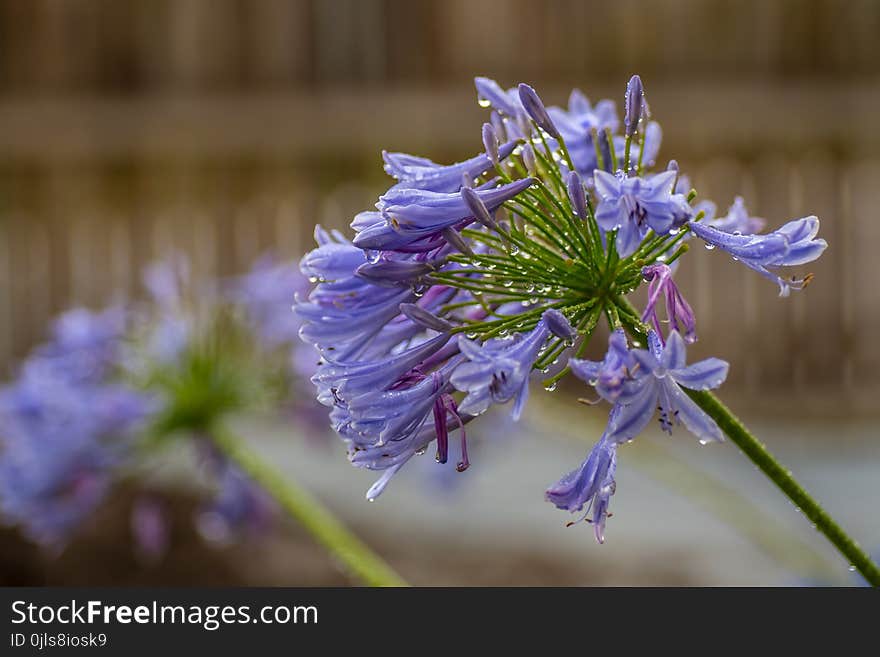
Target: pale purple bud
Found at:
x=393, y=273
x=673, y=166
x=678, y=311
x=576, y=194
x=559, y=324
x=453, y=237
x=605, y=150
x=498, y=125
x=150, y=527
x=635, y=105
x=478, y=208
x=490, y=142
x=466, y=179
x=535, y=108
x=523, y=123
x=528, y=156
x=423, y=318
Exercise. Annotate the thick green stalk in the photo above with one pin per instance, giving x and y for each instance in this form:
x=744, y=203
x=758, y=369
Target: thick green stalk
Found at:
x=761, y=456
x=358, y=558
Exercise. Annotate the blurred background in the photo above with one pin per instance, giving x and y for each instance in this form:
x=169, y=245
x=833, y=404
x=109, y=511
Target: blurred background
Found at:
x=225, y=128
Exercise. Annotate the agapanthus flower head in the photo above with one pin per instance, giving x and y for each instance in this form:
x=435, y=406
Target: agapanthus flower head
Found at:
x=459, y=290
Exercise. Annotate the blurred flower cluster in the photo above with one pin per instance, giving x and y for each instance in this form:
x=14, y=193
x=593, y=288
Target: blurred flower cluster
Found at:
x=470, y=279
x=110, y=389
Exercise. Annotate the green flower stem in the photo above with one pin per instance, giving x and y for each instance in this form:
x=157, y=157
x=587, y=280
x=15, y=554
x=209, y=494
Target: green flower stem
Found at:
x=761, y=456
x=364, y=564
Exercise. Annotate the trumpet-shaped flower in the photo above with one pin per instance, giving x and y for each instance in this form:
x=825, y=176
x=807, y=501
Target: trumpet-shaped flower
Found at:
x=420, y=173
x=609, y=374
x=498, y=370
x=590, y=485
x=632, y=206
x=793, y=244
x=656, y=382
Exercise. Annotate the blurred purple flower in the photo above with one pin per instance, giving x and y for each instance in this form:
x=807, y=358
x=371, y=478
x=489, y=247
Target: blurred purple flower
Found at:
x=150, y=528
x=737, y=220
x=267, y=294
x=239, y=506
x=59, y=444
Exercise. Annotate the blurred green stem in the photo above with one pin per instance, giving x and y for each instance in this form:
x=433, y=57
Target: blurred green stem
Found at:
x=761, y=456
x=364, y=564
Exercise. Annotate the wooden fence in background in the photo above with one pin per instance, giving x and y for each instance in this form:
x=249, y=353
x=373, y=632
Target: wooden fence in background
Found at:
x=224, y=128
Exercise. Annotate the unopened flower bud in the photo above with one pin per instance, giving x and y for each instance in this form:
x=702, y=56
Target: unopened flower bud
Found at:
x=393, y=273
x=498, y=125
x=423, y=318
x=528, y=156
x=559, y=324
x=478, y=208
x=576, y=194
x=535, y=109
x=455, y=240
x=635, y=105
x=490, y=142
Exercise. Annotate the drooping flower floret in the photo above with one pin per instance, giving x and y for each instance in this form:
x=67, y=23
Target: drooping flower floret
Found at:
x=678, y=310
x=591, y=485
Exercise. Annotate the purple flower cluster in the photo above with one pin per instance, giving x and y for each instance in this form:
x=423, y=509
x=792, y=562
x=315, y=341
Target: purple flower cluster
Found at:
x=87, y=403
x=470, y=279
x=65, y=426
